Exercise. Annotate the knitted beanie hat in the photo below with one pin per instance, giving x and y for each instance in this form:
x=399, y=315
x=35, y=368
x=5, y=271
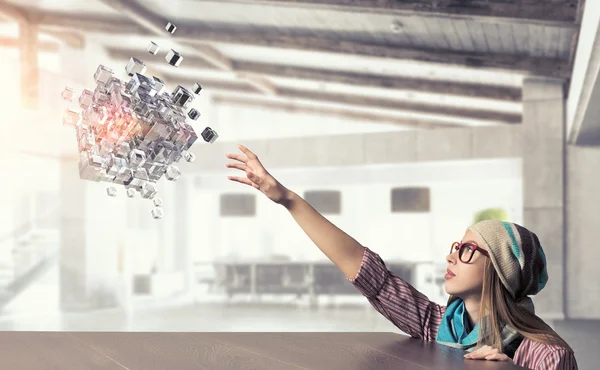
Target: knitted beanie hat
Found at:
x=516, y=254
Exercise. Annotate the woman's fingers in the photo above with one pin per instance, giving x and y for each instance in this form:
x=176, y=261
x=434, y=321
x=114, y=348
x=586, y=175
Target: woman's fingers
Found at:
x=497, y=357
x=247, y=151
x=483, y=352
x=239, y=166
x=238, y=157
x=242, y=180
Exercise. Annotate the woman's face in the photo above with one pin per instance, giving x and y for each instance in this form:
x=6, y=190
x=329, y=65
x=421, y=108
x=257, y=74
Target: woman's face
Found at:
x=468, y=277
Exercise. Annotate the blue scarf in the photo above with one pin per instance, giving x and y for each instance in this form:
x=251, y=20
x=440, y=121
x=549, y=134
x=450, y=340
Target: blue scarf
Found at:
x=455, y=325
x=454, y=329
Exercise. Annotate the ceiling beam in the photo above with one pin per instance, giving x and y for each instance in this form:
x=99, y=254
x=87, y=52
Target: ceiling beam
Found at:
x=13, y=13
x=358, y=101
x=345, y=113
x=200, y=34
x=525, y=10
x=156, y=25
x=354, y=78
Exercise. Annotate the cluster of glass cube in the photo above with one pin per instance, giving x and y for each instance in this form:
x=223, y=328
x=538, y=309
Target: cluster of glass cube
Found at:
x=132, y=133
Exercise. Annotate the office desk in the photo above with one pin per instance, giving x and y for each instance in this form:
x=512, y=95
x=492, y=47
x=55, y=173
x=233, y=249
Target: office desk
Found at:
x=219, y=351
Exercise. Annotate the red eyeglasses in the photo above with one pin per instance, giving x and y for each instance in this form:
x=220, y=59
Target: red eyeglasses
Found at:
x=467, y=250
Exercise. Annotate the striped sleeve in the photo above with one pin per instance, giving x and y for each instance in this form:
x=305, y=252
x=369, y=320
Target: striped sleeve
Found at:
x=398, y=301
x=540, y=356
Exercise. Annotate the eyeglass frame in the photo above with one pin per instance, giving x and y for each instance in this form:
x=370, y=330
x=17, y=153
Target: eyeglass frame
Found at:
x=456, y=246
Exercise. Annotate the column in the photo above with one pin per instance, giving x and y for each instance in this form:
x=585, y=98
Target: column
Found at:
x=543, y=183
x=28, y=39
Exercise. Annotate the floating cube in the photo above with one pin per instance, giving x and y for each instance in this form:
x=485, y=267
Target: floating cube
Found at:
x=67, y=94
x=172, y=173
x=209, y=135
x=111, y=191
x=70, y=118
x=152, y=48
x=173, y=58
x=103, y=75
x=132, y=133
x=190, y=157
x=157, y=213
x=148, y=191
x=171, y=28
x=135, y=66
x=193, y=114
x=197, y=88
x=159, y=85
x=181, y=97
x=86, y=99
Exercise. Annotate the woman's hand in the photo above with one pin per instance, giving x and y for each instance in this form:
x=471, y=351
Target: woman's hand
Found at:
x=256, y=175
x=488, y=353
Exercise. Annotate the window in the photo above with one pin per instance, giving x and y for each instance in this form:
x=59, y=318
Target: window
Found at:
x=232, y=204
x=412, y=199
x=325, y=201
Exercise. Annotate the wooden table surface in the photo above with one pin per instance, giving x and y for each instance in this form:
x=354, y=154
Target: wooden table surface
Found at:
x=21, y=350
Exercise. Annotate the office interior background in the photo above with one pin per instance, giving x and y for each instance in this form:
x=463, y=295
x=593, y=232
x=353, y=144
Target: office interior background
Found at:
x=402, y=126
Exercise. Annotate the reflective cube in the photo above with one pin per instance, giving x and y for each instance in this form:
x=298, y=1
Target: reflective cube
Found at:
x=193, y=114
x=182, y=97
x=172, y=173
x=197, y=88
x=209, y=135
x=67, y=94
x=152, y=48
x=170, y=27
x=148, y=191
x=157, y=213
x=135, y=66
x=159, y=85
x=70, y=118
x=173, y=58
x=103, y=74
x=86, y=99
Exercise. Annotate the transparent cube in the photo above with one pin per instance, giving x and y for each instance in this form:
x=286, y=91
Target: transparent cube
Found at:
x=137, y=158
x=157, y=202
x=131, y=193
x=197, y=88
x=157, y=213
x=159, y=85
x=173, y=58
x=172, y=173
x=182, y=97
x=135, y=66
x=111, y=191
x=86, y=99
x=67, y=94
x=148, y=191
x=70, y=118
x=170, y=27
x=190, y=157
x=103, y=74
x=193, y=114
x=152, y=48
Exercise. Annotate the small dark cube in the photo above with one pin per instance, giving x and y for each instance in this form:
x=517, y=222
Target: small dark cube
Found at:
x=209, y=135
x=173, y=58
x=197, y=88
x=170, y=27
x=193, y=114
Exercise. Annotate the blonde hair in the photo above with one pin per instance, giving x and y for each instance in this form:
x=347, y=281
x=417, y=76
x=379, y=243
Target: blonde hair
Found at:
x=498, y=307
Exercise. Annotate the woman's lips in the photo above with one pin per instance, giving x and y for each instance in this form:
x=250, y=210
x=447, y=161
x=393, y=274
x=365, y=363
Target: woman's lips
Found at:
x=449, y=274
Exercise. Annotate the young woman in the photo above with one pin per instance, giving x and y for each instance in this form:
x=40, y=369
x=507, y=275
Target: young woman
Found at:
x=491, y=273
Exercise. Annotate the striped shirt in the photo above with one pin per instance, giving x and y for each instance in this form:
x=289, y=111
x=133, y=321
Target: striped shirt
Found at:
x=413, y=313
